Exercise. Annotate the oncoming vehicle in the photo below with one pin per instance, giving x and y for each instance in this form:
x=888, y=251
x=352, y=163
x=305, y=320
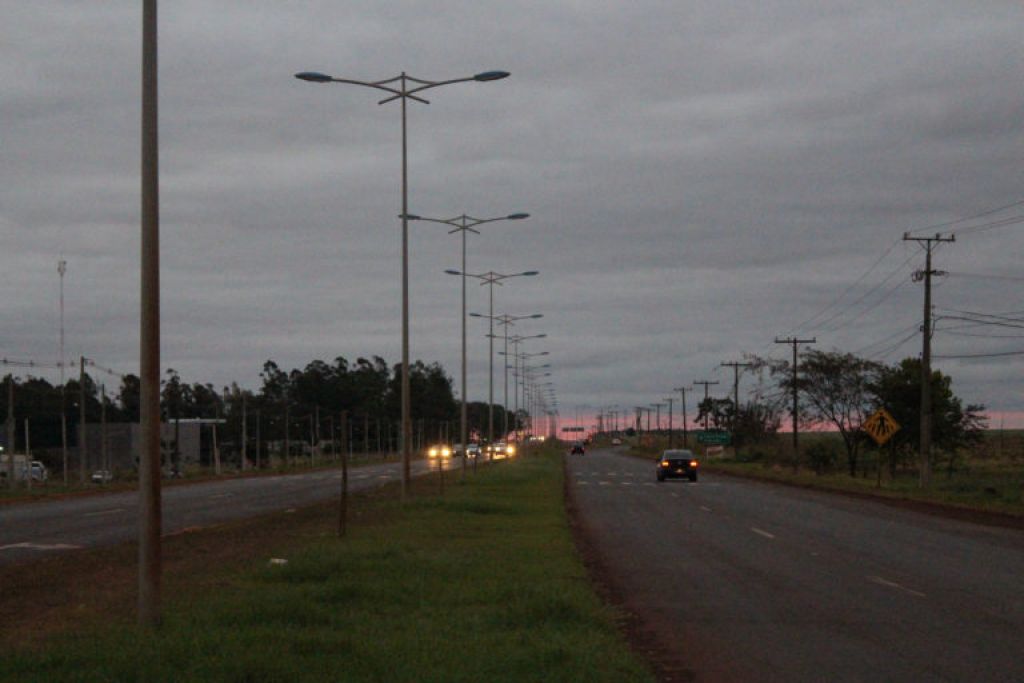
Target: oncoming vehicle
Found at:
x=439, y=451
x=473, y=450
x=677, y=464
x=102, y=477
x=500, y=450
x=577, y=448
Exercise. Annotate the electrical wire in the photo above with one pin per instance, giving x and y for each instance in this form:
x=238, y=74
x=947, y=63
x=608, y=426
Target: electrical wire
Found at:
x=987, y=212
x=983, y=355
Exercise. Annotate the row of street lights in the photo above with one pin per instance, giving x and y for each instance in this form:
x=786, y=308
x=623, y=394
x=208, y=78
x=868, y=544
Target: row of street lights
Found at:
x=404, y=87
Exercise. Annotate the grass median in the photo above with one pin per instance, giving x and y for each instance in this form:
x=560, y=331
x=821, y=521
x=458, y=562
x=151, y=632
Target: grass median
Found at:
x=480, y=584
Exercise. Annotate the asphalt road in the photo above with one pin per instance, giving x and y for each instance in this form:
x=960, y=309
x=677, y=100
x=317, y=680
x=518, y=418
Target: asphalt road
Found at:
x=758, y=582
x=31, y=530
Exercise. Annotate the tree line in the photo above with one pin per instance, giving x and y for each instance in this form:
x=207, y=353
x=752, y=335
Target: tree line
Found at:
x=306, y=399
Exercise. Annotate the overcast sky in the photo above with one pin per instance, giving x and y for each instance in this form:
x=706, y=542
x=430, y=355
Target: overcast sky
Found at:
x=702, y=177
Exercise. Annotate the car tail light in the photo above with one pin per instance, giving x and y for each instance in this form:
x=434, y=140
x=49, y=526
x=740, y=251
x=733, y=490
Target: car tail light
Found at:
x=693, y=463
x=664, y=463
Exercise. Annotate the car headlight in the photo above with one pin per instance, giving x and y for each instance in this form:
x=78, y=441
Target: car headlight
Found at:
x=433, y=452
x=445, y=452
x=511, y=450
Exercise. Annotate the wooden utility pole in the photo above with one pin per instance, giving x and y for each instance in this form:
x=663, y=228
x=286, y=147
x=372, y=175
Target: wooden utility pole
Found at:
x=670, y=399
x=736, y=387
x=928, y=243
x=796, y=407
x=706, y=385
x=682, y=409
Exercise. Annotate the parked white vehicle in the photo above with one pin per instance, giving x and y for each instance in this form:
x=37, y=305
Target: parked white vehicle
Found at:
x=21, y=468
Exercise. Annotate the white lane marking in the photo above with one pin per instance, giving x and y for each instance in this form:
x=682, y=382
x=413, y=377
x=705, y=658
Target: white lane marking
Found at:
x=103, y=512
x=627, y=483
x=647, y=483
x=362, y=476
x=582, y=483
x=762, y=532
x=892, y=584
x=705, y=509
x=221, y=495
x=604, y=483
x=675, y=495
x=40, y=546
x=383, y=476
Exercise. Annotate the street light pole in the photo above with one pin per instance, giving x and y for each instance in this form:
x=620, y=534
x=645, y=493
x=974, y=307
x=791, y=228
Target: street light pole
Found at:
x=465, y=224
x=399, y=88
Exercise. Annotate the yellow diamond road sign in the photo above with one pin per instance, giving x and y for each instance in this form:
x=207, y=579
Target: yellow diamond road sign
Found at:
x=881, y=426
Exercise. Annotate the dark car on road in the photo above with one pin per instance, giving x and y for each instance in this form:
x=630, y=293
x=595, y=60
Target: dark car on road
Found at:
x=677, y=464
x=577, y=448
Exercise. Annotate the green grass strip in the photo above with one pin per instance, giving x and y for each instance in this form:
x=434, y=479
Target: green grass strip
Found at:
x=480, y=585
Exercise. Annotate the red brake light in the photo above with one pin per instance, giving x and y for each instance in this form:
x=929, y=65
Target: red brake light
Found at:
x=693, y=463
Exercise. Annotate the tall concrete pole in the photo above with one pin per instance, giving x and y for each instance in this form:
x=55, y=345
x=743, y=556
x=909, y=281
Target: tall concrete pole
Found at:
x=149, y=400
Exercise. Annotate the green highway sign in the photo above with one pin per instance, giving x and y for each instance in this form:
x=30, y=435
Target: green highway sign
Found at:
x=714, y=438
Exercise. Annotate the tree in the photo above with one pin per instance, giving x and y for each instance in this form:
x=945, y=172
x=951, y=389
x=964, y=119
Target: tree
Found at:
x=836, y=387
x=898, y=390
x=129, y=397
x=719, y=412
x=756, y=422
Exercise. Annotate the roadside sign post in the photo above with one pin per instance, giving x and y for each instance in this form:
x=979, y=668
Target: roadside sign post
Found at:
x=881, y=426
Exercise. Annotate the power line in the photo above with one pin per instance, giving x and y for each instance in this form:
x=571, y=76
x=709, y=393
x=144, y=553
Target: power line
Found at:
x=985, y=355
x=849, y=288
x=971, y=230
x=987, y=212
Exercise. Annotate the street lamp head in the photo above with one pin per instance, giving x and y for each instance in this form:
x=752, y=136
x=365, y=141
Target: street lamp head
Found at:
x=473, y=315
x=537, y=315
x=313, y=77
x=453, y=272
x=410, y=217
x=517, y=216
x=491, y=76
x=530, y=272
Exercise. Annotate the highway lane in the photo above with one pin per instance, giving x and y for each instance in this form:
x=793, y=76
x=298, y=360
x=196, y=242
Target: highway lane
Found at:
x=30, y=530
x=759, y=582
